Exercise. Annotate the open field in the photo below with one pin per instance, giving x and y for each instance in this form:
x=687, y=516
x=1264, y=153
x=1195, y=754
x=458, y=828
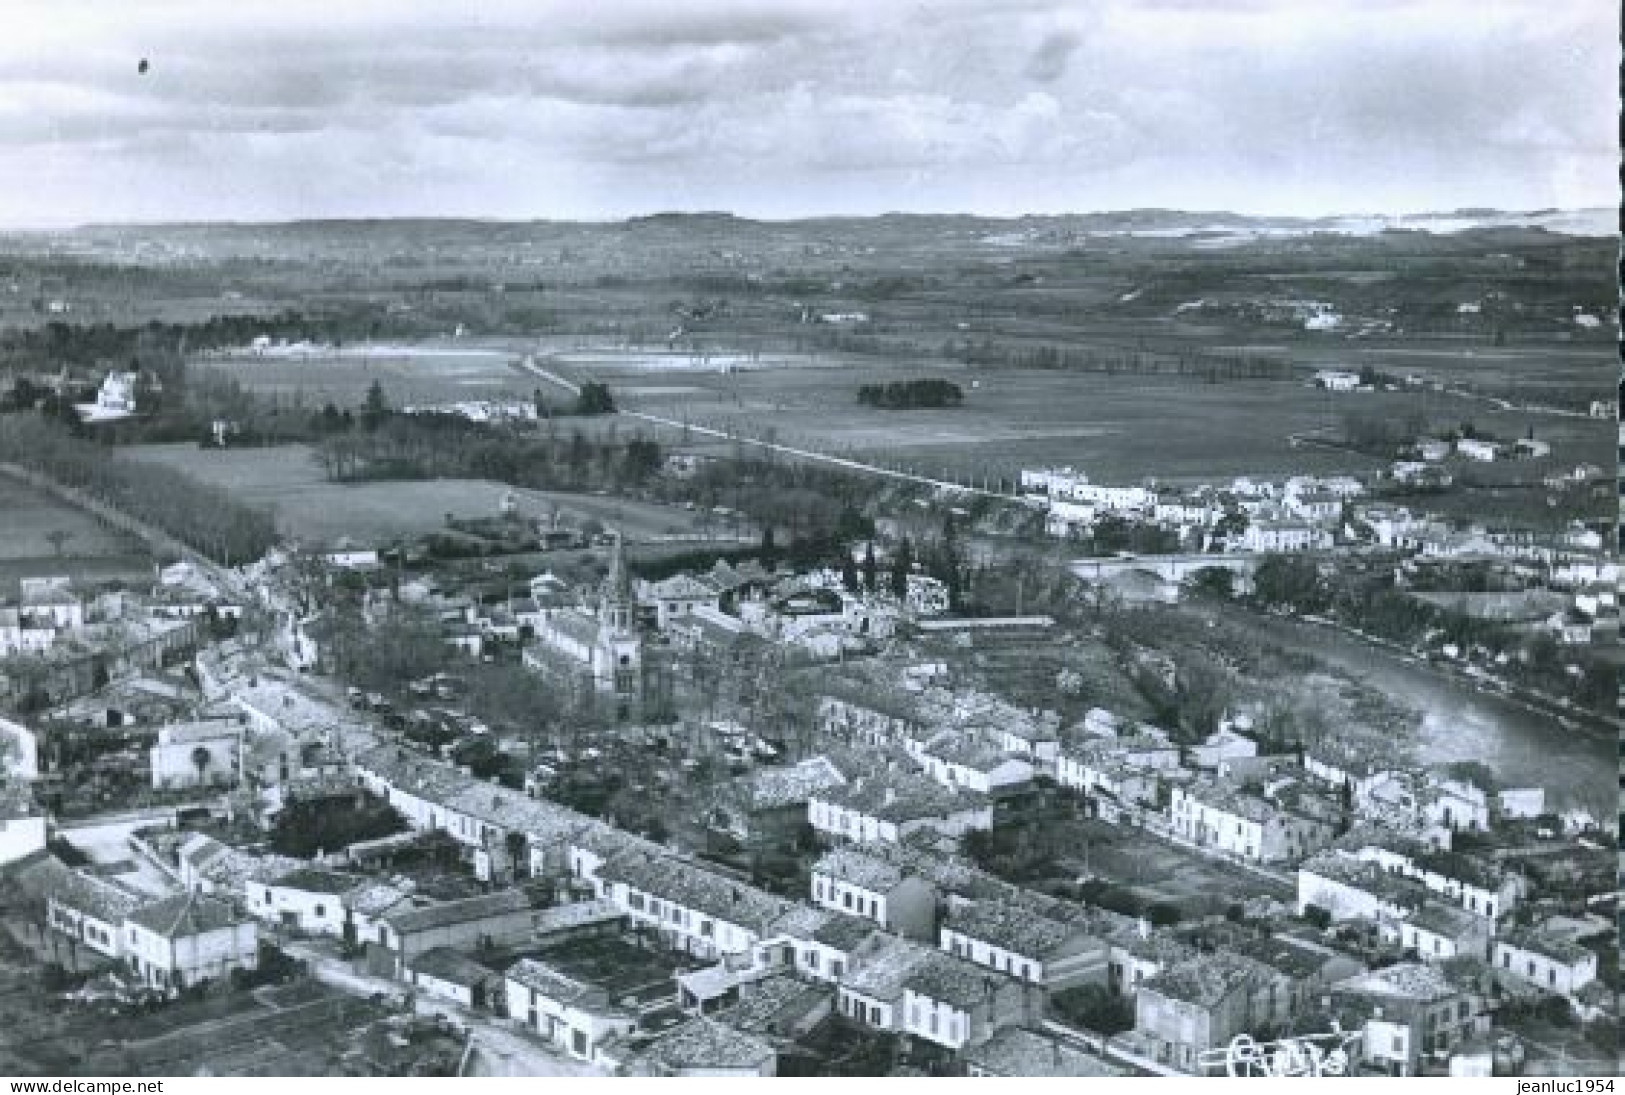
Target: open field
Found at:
x=289, y=481
x=1118, y=427
x=428, y=373
x=28, y=517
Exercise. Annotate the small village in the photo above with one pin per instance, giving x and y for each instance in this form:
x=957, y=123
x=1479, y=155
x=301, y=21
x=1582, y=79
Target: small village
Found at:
x=780, y=822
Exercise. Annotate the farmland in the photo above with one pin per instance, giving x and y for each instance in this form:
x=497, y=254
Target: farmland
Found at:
x=289, y=481
x=88, y=550
x=430, y=373
x=1119, y=427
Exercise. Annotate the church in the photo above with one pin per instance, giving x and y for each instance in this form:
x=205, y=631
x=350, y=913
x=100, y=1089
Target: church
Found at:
x=599, y=645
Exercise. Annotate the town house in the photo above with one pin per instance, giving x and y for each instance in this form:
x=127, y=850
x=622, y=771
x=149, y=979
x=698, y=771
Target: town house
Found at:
x=852, y=881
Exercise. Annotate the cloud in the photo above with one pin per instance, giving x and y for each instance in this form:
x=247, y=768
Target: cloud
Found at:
x=515, y=108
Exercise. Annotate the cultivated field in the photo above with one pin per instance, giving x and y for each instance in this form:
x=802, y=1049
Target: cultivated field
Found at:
x=289, y=481
x=1117, y=427
x=428, y=373
x=29, y=518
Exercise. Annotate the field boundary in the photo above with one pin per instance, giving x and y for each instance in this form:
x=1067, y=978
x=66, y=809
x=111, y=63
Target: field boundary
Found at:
x=772, y=446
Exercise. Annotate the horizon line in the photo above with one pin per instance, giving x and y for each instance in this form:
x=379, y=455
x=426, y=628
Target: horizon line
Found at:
x=74, y=225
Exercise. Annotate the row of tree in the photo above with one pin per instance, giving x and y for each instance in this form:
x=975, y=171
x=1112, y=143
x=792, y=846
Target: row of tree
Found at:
x=911, y=394
x=205, y=518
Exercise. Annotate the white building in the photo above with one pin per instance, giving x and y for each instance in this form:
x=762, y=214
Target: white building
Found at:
x=184, y=940
x=1556, y=965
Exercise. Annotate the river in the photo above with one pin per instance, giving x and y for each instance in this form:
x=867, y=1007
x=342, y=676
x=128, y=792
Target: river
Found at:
x=1577, y=767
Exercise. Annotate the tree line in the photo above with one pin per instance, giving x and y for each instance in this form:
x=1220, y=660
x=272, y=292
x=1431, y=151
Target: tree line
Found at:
x=911, y=394
x=205, y=518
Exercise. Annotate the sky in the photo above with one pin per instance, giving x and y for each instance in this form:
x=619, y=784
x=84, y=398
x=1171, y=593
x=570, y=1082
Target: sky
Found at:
x=521, y=109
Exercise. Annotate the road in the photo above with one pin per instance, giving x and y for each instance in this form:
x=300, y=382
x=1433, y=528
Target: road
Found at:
x=771, y=446
x=500, y=1049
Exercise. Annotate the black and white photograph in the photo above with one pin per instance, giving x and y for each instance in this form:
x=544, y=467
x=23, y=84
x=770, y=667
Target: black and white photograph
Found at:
x=809, y=538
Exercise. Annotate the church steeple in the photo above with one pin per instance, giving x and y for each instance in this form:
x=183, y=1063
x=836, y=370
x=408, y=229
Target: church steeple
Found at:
x=615, y=599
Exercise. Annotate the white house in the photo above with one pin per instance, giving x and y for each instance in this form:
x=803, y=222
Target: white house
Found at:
x=22, y=824
x=856, y=883
x=1556, y=965
x=187, y=939
x=1475, y=449
x=570, y=1015
x=198, y=754
x=19, y=749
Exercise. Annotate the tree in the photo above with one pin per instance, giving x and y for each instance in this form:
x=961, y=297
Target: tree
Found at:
x=200, y=761
x=376, y=408
x=594, y=399
x=770, y=550
x=1094, y=1008
x=871, y=569
x=57, y=537
x=849, y=573
x=902, y=565
x=1212, y=583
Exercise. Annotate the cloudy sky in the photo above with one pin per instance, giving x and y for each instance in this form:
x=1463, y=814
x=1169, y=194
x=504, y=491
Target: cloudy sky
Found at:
x=511, y=109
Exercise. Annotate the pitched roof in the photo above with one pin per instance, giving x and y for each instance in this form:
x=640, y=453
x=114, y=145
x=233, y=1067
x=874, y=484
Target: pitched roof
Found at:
x=703, y=1043
x=55, y=880
x=462, y=911
x=860, y=869
x=186, y=915
x=447, y=964
x=1015, y=1052
x=548, y=982
x=1014, y=929
x=777, y=788
x=694, y=887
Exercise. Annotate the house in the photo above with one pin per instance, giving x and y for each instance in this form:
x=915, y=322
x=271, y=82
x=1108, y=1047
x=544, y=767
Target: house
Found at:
x=690, y=907
x=1437, y=932
x=19, y=747
x=80, y=906
x=955, y=1003
x=568, y=1014
x=963, y=760
x=1014, y=1053
x=677, y=597
x=1474, y=449
x=1026, y=945
x=22, y=824
x=1223, y=744
x=186, y=940
x=1555, y=965
x=1337, y=380
x=1284, y=534
x=1406, y=1013
x=1202, y=1003
x=821, y=941
x=703, y=1047
x=849, y=880
x=778, y=1006
x=1349, y=889
x=1479, y=886
x=1433, y=449
x=871, y=993
x=1229, y=819
x=499, y=918
x=876, y=720
x=889, y=805
x=768, y=807
x=308, y=899
x=197, y=754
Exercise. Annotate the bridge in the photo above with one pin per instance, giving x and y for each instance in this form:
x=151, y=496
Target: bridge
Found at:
x=1170, y=568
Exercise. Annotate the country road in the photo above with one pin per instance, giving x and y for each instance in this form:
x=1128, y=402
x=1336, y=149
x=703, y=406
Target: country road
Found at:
x=771, y=446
